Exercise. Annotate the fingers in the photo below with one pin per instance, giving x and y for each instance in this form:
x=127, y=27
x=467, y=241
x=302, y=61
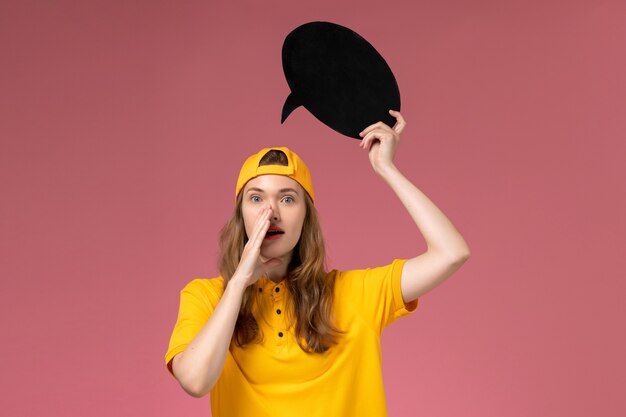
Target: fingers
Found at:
x=398, y=127
x=371, y=137
x=378, y=125
x=379, y=130
x=379, y=135
x=251, y=258
x=260, y=227
x=400, y=122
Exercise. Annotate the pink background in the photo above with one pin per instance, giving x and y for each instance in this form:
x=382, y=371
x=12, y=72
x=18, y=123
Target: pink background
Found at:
x=123, y=125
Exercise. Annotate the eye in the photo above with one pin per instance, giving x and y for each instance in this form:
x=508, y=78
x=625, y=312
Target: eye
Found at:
x=288, y=199
x=255, y=198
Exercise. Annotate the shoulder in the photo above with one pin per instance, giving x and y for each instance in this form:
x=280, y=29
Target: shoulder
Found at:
x=366, y=283
x=209, y=288
x=344, y=277
x=373, y=293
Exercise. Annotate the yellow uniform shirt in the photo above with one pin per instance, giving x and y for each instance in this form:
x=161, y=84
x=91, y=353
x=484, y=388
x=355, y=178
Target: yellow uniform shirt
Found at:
x=276, y=377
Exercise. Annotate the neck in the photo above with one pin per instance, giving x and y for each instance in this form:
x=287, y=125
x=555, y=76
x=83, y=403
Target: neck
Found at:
x=276, y=268
x=277, y=274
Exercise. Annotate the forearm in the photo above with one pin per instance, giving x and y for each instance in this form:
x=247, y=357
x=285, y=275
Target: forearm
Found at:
x=201, y=364
x=440, y=234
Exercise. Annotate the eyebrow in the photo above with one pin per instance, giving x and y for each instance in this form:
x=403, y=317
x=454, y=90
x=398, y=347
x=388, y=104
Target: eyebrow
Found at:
x=282, y=190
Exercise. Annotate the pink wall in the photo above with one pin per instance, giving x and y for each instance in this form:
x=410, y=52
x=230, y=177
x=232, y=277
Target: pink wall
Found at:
x=123, y=125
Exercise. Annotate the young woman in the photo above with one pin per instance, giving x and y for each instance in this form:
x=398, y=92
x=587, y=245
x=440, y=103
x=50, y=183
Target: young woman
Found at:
x=276, y=334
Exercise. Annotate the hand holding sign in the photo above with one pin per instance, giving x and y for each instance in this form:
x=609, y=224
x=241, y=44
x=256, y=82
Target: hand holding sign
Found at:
x=382, y=141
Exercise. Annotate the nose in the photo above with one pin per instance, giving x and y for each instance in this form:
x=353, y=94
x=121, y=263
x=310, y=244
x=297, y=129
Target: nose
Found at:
x=275, y=212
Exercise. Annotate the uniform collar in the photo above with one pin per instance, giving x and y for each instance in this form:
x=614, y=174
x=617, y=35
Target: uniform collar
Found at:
x=267, y=285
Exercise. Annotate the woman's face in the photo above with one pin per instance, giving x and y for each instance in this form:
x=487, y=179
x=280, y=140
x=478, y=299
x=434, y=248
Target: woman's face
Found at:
x=287, y=199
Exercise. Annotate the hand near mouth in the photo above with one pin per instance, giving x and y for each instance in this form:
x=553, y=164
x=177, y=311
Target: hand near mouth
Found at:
x=252, y=264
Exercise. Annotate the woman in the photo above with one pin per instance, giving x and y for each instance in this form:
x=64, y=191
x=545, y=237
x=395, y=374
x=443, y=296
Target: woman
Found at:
x=277, y=335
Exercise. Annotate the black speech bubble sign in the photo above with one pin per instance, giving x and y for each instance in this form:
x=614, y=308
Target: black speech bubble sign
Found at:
x=339, y=77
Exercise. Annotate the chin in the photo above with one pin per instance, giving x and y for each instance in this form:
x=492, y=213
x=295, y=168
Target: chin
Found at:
x=270, y=253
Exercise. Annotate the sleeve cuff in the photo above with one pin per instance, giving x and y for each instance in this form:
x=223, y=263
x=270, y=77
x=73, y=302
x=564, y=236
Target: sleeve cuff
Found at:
x=402, y=308
x=170, y=355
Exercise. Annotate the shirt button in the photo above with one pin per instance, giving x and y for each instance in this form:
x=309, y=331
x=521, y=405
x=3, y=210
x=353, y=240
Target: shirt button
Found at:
x=277, y=289
x=278, y=311
x=280, y=334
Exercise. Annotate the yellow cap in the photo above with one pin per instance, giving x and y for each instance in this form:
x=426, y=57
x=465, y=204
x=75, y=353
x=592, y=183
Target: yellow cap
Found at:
x=296, y=170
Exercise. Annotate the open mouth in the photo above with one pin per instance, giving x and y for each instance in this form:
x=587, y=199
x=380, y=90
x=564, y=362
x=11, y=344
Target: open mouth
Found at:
x=274, y=232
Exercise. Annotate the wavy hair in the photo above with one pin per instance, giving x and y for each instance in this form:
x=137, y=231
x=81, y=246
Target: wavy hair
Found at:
x=312, y=288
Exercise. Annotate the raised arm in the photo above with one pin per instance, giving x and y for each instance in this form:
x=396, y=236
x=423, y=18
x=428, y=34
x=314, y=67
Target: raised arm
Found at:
x=200, y=365
x=446, y=248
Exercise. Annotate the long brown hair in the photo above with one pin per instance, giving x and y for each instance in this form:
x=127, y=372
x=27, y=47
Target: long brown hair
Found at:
x=307, y=280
